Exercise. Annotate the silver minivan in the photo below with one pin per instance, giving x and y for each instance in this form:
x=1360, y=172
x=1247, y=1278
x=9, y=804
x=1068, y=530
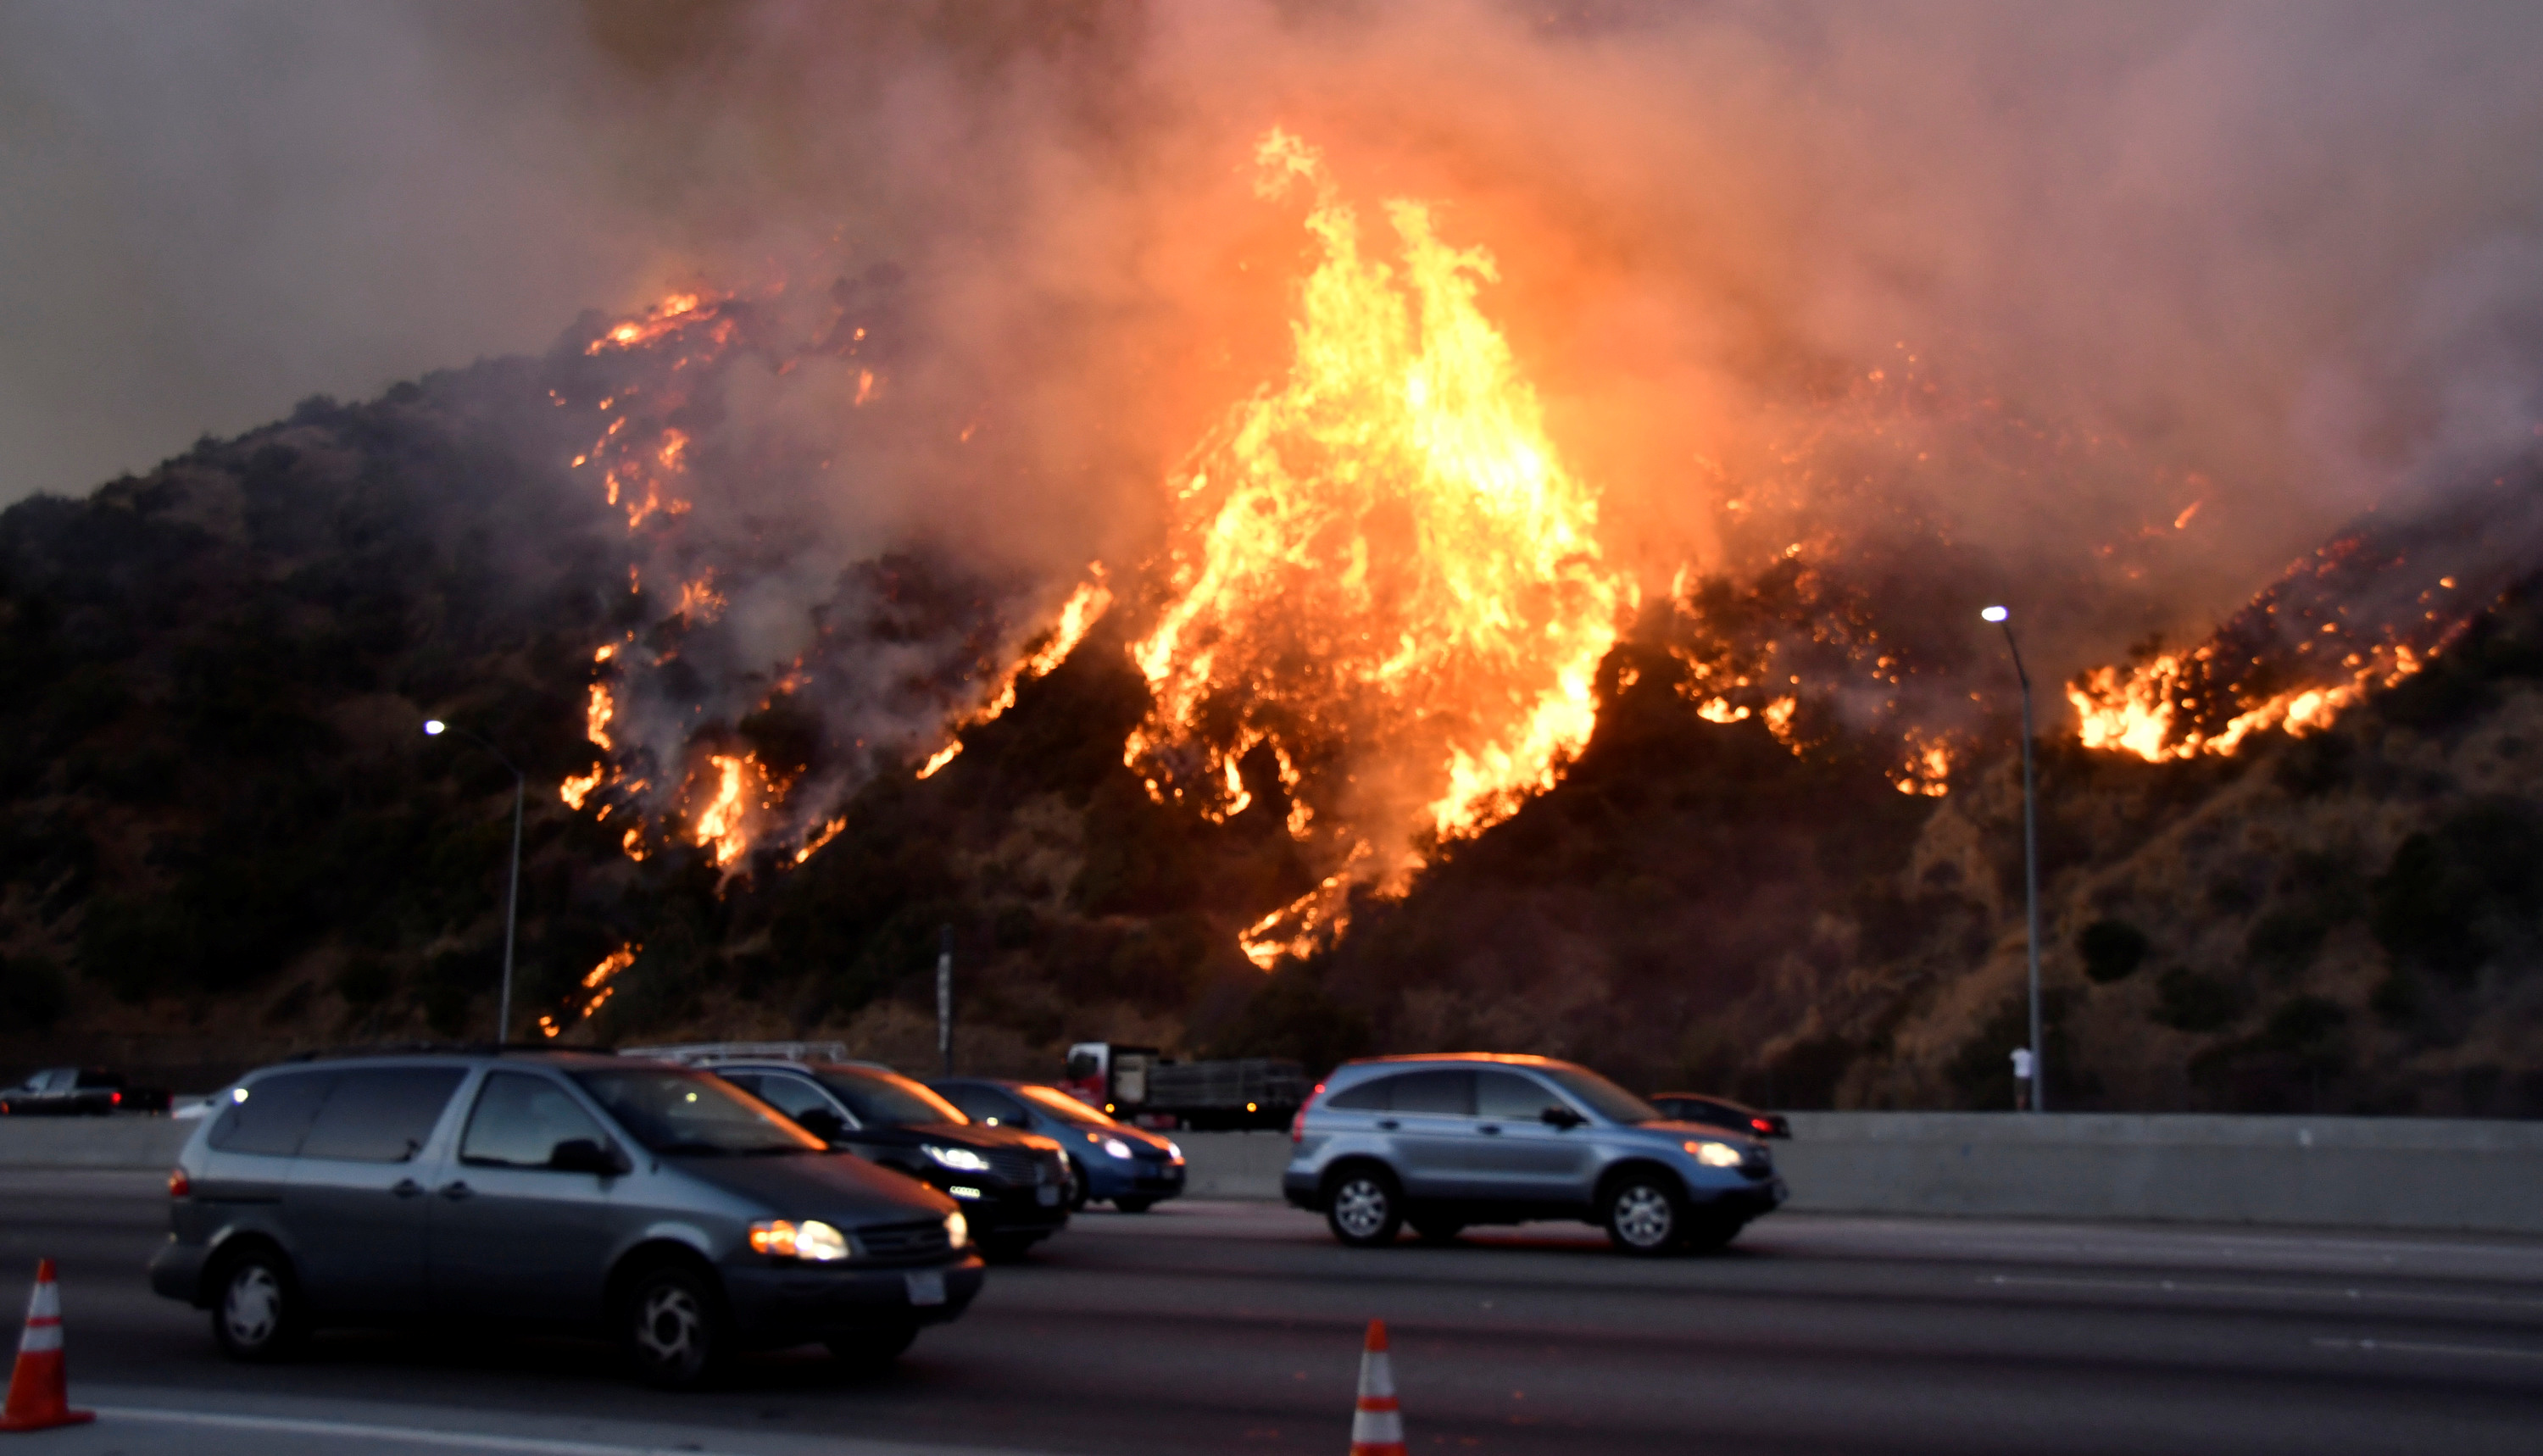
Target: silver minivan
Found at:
x=1442, y=1142
x=542, y=1189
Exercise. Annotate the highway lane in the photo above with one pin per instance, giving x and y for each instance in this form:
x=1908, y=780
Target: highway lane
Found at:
x=1234, y=1327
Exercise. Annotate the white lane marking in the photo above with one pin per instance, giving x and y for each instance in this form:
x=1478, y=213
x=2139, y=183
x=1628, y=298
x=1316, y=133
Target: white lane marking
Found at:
x=2418, y=1348
x=2188, y=1286
x=410, y=1435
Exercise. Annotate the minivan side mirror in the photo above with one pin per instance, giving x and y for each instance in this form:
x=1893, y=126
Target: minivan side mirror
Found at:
x=823, y=1124
x=582, y=1155
x=1559, y=1115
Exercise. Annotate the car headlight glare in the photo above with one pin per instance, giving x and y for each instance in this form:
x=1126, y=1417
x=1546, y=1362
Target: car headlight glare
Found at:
x=957, y=1229
x=1115, y=1147
x=1715, y=1154
x=1174, y=1150
x=961, y=1160
x=813, y=1240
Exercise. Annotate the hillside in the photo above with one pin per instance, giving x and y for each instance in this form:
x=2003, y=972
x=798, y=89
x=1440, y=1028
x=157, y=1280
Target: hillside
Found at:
x=224, y=837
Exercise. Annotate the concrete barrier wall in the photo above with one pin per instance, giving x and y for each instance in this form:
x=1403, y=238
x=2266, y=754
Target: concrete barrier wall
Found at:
x=2334, y=1172
x=93, y=1142
x=2338, y=1172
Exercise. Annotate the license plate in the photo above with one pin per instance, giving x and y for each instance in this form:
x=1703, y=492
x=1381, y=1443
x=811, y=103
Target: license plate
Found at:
x=927, y=1287
x=1048, y=1198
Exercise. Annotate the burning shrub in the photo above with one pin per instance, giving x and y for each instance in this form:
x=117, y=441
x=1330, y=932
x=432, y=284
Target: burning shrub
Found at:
x=2111, y=949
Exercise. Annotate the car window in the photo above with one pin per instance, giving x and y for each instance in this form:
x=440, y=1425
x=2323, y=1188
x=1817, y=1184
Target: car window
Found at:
x=887, y=1100
x=519, y=1119
x=796, y=1096
x=272, y=1115
x=1510, y=1097
x=1376, y=1095
x=1449, y=1094
x=982, y=1104
x=381, y=1115
x=1601, y=1095
x=1060, y=1105
x=98, y=1078
x=693, y=1112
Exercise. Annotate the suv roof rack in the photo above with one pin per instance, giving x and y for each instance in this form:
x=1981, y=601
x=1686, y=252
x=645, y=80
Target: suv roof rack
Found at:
x=436, y=1049
x=695, y=1052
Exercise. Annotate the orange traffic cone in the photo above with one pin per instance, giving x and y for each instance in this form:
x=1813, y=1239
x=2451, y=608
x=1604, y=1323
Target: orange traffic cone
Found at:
x=40, y=1396
x=1377, y=1430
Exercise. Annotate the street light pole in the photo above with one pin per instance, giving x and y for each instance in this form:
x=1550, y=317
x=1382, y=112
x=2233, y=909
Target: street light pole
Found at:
x=435, y=727
x=2029, y=860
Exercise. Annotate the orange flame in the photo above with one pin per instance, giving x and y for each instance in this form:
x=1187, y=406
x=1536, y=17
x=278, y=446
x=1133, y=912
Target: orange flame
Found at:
x=722, y=825
x=1381, y=568
x=2141, y=711
x=1077, y=617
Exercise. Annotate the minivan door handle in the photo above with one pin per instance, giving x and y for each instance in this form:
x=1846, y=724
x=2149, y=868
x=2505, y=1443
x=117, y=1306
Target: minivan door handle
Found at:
x=406, y=1188
x=456, y=1191
x=1387, y=1125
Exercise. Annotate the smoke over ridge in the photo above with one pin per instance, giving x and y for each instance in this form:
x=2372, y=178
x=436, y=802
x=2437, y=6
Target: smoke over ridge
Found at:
x=2107, y=314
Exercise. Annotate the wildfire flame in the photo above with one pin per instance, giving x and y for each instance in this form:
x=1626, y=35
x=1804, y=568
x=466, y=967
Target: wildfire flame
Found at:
x=1381, y=569
x=720, y=825
x=1077, y=617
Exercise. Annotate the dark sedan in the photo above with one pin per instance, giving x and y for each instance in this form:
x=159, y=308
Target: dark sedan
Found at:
x=1011, y=1183
x=1720, y=1111
x=1132, y=1169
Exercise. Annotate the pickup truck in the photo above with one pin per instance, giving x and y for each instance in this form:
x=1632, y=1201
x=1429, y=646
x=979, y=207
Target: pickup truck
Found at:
x=65, y=1091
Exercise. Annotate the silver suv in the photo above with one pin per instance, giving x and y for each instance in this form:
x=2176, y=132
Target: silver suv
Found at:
x=1441, y=1142
x=653, y=1203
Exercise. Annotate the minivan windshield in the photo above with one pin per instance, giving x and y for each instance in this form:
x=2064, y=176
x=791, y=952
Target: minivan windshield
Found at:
x=1601, y=1095
x=1060, y=1105
x=692, y=1113
x=888, y=1098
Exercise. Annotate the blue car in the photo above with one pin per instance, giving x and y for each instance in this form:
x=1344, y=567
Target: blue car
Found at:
x=1133, y=1169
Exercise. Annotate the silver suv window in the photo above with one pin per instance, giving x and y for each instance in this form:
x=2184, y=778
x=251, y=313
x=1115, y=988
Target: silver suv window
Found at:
x=1601, y=1095
x=1440, y=1092
x=1507, y=1096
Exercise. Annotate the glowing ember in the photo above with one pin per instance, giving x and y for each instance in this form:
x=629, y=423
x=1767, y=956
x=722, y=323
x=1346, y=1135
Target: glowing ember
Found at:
x=824, y=835
x=577, y=787
x=596, y=716
x=1380, y=570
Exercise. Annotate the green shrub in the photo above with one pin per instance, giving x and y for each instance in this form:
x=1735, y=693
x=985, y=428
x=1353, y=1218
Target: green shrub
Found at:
x=2111, y=949
x=2189, y=1001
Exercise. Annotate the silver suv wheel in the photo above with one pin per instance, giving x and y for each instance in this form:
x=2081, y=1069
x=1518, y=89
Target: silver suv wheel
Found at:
x=1365, y=1209
x=1643, y=1217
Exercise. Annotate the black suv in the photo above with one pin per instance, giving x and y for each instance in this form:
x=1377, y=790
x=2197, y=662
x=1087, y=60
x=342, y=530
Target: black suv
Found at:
x=1013, y=1185
x=532, y=1190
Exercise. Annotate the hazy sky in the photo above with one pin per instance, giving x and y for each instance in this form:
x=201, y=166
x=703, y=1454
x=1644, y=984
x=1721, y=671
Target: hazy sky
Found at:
x=2045, y=273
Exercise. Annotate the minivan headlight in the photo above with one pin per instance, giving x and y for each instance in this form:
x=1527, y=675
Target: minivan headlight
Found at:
x=962, y=1160
x=957, y=1229
x=810, y=1240
x=1715, y=1154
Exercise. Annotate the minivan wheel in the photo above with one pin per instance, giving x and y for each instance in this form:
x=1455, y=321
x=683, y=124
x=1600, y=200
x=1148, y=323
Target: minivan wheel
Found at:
x=1645, y=1215
x=674, y=1327
x=259, y=1314
x=1365, y=1209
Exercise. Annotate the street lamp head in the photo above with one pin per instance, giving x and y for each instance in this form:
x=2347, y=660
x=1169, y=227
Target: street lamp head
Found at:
x=1995, y=614
x=432, y=727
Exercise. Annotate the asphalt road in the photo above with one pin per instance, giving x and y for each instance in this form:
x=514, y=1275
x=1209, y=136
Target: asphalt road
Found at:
x=1232, y=1327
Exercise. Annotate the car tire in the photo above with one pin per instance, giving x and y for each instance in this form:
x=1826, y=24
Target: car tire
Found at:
x=1077, y=1193
x=869, y=1350
x=258, y=1312
x=1707, y=1233
x=1438, y=1230
x=1365, y=1209
x=1006, y=1247
x=1646, y=1214
x=673, y=1323
x=1134, y=1205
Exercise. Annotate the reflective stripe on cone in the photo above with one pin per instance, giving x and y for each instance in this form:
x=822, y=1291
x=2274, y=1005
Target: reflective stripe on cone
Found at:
x=39, y=1394
x=1377, y=1427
